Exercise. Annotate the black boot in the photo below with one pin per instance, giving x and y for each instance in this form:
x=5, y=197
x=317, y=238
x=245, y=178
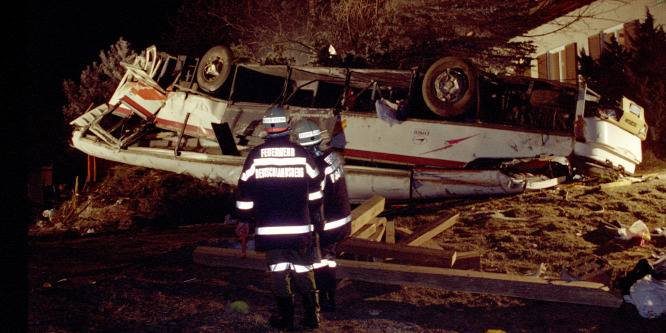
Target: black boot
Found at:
x=327, y=300
x=283, y=321
x=310, y=310
x=325, y=282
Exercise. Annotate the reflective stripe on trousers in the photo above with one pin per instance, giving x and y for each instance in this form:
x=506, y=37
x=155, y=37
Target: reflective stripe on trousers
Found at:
x=283, y=266
x=244, y=205
x=325, y=263
x=288, y=230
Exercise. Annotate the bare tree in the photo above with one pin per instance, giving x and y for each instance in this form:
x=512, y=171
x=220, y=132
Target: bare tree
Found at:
x=375, y=33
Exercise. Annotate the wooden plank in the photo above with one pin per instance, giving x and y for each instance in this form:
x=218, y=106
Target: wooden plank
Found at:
x=577, y=292
x=429, y=231
x=367, y=230
x=366, y=211
x=413, y=255
x=377, y=236
x=390, y=232
x=431, y=244
x=616, y=184
x=221, y=257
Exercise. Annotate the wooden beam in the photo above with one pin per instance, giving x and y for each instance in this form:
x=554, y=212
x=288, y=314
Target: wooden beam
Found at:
x=616, y=183
x=366, y=211
x=367, y=230
x=377, y=236
x=431, y=244
x=221, y=257
x=413, y=255
x=390, y=232
x=577, y=292
x=429, y=231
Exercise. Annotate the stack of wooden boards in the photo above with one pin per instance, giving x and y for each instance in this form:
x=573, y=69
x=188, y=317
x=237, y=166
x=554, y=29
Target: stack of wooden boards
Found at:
x=416, y=260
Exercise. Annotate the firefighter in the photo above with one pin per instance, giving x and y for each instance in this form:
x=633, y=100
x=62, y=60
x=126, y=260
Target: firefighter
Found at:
x=279, y=190
x=336, y=209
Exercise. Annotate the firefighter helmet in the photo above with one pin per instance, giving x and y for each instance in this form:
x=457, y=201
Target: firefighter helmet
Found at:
x=276, y=120
x=307, y=133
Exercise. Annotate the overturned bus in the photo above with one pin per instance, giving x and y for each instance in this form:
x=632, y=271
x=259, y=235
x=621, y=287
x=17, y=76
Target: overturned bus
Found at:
x=450, y=131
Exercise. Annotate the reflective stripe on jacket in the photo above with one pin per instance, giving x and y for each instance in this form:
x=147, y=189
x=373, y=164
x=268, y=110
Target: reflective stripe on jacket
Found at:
x=278, y=187
x=337, y=210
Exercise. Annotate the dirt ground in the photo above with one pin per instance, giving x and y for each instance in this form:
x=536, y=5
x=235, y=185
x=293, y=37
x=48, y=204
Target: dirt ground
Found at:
x=146, y=281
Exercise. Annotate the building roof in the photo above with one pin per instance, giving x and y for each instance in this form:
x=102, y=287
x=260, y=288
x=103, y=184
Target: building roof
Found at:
x=549, y=10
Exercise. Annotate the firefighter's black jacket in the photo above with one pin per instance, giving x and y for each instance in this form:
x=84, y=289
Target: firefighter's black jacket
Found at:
x=280, y=189
x=337, y=210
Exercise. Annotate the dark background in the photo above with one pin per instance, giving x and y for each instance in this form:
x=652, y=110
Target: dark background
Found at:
x=65, y=37
x=45, y=43
x=60, y=40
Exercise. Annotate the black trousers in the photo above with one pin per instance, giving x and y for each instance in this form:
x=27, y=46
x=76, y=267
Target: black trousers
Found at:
x=291, y=267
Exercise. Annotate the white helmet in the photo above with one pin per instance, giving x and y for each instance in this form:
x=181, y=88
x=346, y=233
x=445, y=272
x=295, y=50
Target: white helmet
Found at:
x=276, y=120
x=307, y=133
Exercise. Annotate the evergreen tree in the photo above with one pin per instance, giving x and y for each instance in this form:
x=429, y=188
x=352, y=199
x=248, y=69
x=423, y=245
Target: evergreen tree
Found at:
x=98, y=81
x=648, y=46
x=637, y=72
x=607, y=75
x=647, y=73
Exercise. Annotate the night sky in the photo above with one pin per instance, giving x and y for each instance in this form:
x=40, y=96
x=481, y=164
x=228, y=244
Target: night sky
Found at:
x=47, y=42
x=60, y=39
x=63, y=37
